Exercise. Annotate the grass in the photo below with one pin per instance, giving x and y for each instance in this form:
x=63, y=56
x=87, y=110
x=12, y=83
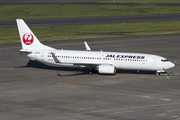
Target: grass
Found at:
x=133, y=1
x=148, y=1
x=123, y=27
x=55, y=38
x=11, y=35
x=160, y=32
x=10, y=12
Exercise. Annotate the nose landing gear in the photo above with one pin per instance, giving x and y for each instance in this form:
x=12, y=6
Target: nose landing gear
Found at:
x=162, y=73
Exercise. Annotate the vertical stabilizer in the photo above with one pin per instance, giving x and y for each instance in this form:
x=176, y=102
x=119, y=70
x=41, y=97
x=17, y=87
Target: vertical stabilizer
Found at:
x=28, y=39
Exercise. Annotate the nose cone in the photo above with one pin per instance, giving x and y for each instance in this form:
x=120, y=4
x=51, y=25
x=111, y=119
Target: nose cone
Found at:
x=171, y=65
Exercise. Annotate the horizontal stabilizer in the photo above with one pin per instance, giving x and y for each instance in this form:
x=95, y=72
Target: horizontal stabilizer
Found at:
x=25, y=51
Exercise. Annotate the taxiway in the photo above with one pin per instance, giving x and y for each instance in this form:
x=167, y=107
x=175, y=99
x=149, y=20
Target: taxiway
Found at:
x=31, y=90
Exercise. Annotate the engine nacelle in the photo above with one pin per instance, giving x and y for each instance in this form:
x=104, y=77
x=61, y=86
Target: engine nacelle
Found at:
x=107, y=69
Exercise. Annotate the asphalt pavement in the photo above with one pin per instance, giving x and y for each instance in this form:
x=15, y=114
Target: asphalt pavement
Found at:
x=30, y=90
x=74, y=2
x=91, y=20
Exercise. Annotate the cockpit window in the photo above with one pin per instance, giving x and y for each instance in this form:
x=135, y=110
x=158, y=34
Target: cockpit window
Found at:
x=164, y=60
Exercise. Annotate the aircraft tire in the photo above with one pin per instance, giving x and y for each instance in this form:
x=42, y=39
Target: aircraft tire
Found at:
x=90, y=72
x=157, y=73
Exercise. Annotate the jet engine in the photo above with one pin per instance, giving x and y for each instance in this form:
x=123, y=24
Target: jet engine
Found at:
x=107, y=69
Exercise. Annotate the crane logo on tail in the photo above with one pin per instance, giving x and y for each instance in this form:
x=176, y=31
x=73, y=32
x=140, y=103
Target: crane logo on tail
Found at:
x=28, y=38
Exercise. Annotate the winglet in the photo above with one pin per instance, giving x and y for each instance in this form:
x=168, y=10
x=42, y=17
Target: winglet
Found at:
x=87, y=46
x=55, y=58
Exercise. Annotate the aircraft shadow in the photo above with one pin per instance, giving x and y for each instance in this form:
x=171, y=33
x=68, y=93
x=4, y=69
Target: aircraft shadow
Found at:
x=84, y=71
x=39, y=65
x=135, y=72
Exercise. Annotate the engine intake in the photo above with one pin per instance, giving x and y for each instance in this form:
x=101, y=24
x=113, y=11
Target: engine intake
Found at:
x=107, y=69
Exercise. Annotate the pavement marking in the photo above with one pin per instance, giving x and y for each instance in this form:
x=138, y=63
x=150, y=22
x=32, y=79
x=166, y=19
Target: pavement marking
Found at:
x=132, y=108
x=177, y=119
x=124, y=112
x=127, y=89
x=66, y=83
x=83, y=109
x=162, y=114
x=79, y=83
x=83, y=83
x=148, y=97
x=165, y=99
x=177, y=61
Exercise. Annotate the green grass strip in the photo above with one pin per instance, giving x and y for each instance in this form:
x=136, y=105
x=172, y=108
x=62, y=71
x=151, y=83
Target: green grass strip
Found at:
x=123, y=27
x=8, y=12
x=131, y=1
x=11, y=35
x=147, y=1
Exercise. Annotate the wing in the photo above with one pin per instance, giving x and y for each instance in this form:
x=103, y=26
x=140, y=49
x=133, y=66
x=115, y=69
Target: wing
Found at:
x=78, y=64
x=89, y=65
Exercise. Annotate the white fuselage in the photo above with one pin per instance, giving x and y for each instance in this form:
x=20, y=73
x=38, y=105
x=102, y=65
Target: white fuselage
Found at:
x=104, y=62
x=121, y=60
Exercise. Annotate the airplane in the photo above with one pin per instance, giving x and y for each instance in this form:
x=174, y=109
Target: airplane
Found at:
x=103, y=62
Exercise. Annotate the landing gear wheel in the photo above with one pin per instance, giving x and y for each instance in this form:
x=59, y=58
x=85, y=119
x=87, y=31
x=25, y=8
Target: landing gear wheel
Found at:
x=157, y=73
x=90, y=72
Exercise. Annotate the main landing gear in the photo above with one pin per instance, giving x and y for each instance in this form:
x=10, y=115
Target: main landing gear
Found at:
x=91, y=71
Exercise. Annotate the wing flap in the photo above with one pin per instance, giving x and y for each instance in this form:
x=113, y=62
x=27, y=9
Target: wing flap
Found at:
x=88, y=64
